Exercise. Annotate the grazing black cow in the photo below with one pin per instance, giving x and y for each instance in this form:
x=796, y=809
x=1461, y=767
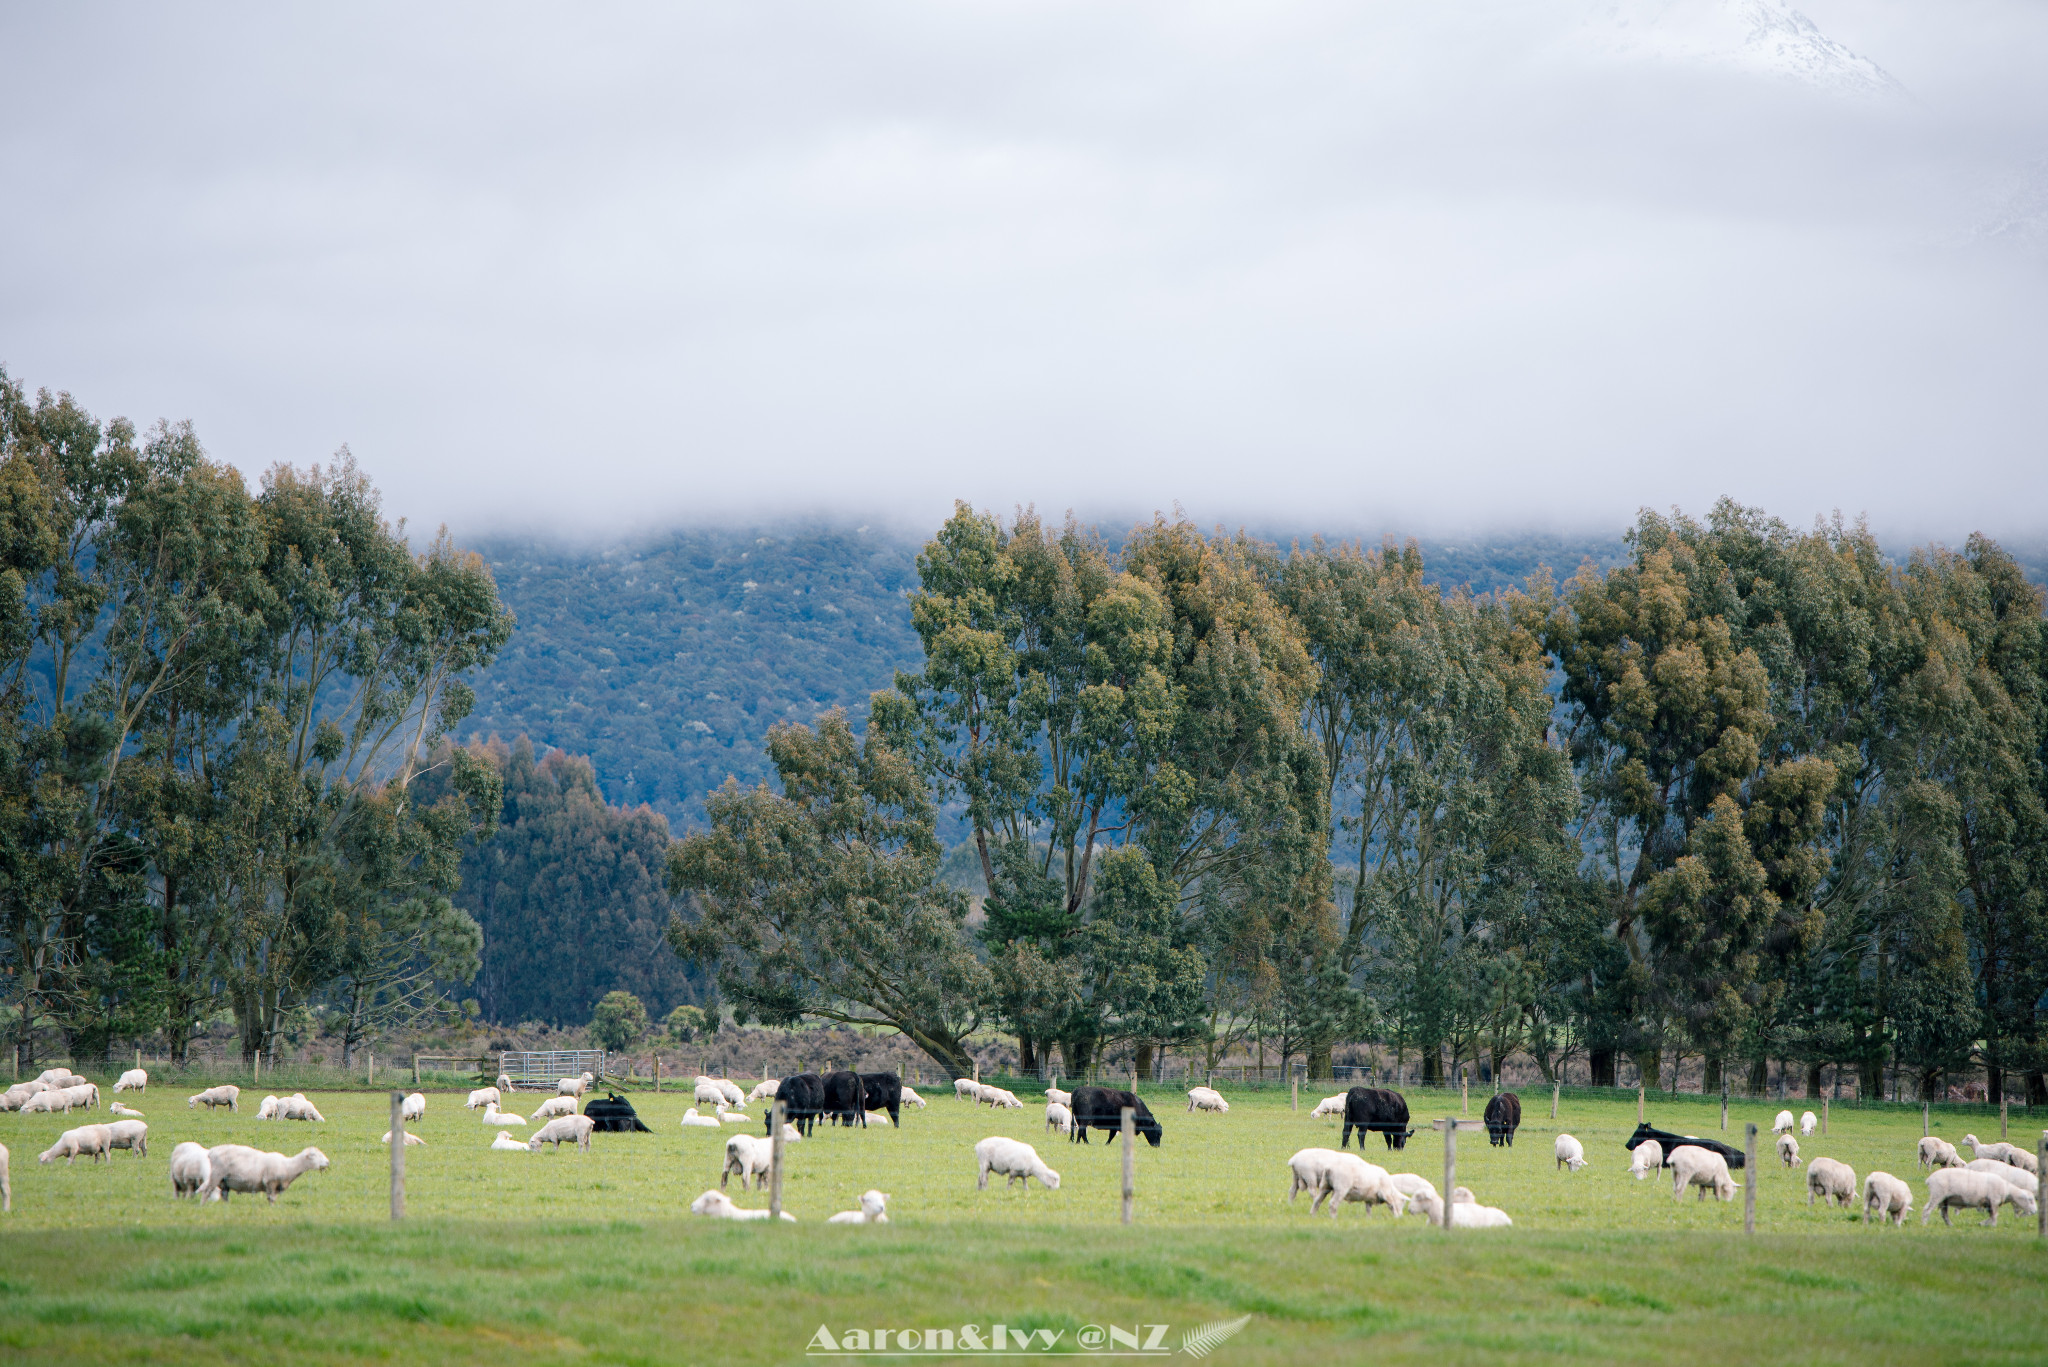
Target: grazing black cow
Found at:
x=1503, y=1118
x=1671, y=1141
x=803, y=1101
x=615, y=1115
x=1377, y=1110
x=883, y=1092
x=846, y=1099
x=1103, y=1108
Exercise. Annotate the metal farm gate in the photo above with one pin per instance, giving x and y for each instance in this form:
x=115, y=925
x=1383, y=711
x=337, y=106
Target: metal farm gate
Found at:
x=540, y=1071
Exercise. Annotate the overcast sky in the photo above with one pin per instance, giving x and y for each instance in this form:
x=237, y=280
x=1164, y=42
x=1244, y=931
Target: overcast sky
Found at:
x=1445, y=266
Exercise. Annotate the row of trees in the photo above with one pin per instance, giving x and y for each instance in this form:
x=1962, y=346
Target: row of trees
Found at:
x=1755, y=793
x=219, y=711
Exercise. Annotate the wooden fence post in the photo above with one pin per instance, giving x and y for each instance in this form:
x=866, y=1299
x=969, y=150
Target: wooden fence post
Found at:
x=1823, y=1115
x=1639, y=1101
x=775, y=1124
x=1555, y=1087
x=1926, y=1118
x=1749, y=1184
x=2002, y=1103
x=257, y=1064
x=2041, y=1216
x=415, y=1072
x=1464, y=1097
x=398, y=1155
x=1297, y=1091
x=1450, y=1165
x=1130, y=1128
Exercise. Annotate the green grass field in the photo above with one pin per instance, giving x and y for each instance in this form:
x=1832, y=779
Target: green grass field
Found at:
x=570, y=1256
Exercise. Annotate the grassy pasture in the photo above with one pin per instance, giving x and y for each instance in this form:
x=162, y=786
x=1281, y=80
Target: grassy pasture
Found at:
x=568, y=1256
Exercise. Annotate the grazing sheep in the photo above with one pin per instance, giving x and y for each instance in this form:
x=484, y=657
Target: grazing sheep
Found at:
x=6, y=1184
x=790, y=1133
x=237, y=1167
x=1329, y=1105
x=1788, y=1150
x=764, y=1090
x=966, y=1089
x=911, y=1098
x=1055, y=1094
x=1783, y=1123
x=1936, y=1152
x=1308, y=1167
x=2003, y=1152
x=1207, y=1099
x=413, y=1141
x=1808, y=1123
x=1350, y=1178
x=1058, y=1117
x=1570, y=1153
x=709, y=1093
x=554, y=1106
x=494, y=1116
x=128, y=1134
x=505, y=1084
x=134, y=1080
x=91, y=1140
x=82, y=1096
x=1961, y=1189
x=1885, y=1196
x=44, y=1101
x=747, y=1157
x=1411, y=1186
x=227, y=1095
x=1692, y=1166
x=13, y=1098
x=999, y=1099
x=719, y=1206
x=874, y=1210
x=1647, y=1158
x=691, y=1120
x=1836, y=1181
x=414, y=1107
x=564, y=1127
x=733, y=1095
x=505, y=1143
x=118, y=1109
x=481, y=1097
x=48, y=1077
x=1471, y=1215
x=268, y=1110
x=574, y=1086
x=1015, y=1161
x=2006, y=1172
x=296, y=1107
x=189, y=1169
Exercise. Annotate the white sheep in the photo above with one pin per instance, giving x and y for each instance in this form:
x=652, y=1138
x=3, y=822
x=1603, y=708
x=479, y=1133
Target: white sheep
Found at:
x=1646, y=1158
x=2003, y=1152
x=691, y=1120
x=237, y=1167
x=1783, y=1123
x=1309, y=1166
x=1001, y=1100
x=709, y=1093
x=1207, y=1099
x=505, y=1143
x=1463, y=1195
x=1329, y=1105
x=911, y=1098
x=227, y=1094
x=267, y=1110
x=1959, y=1188
x=1693, y=1166
x=554, y=1106
x=790, y=1133
x=731, y=1117
x=1834, y=1180
x=765, y=1089
x=118, y=1109
x=1350, y=1178
x=966, y=1089
x=48, y=1100
x=296, y=1107
x=1570, y=1153
x=576, y=1128
x=134, y=1080
x=1886, y=1197
x=747, y=1158
x=1054, y=1094
x=494, y=1116
x=414, y=1107
x=413, y=1141
x=128, y=1134
x=1936, y=1152
x=2006, y=1172
x=189, y=1169
x=1015, y=1161
x=733, y=1095
x=1808, y=1123
x=80, y=1096
x=1058, y=1117
x=91, y=1141
x=574, y=1086
x=1788, y=1150
x=20, y=1092
x=1411, y=1186
x=719, y=1206
x=6, y=1183
x=48, y=1077
x=505, y=1084
x=481, y=1097
x=874, y=1210
x=1471, y=1215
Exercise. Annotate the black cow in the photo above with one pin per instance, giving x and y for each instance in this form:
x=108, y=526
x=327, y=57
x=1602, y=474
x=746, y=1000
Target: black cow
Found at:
x=1671, y=1141
x=1503, y=1118
x=1103, y=1108
x=846, y=1099
x=615, y=1115
x=883, y=1092
x=1376, y=1110
x=803, y=1101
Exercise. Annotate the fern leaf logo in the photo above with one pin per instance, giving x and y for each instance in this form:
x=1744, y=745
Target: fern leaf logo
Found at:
x=1201, y=1342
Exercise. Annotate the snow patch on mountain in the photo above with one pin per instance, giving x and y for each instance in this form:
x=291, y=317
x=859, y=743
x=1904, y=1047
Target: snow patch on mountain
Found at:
x=1756, y=37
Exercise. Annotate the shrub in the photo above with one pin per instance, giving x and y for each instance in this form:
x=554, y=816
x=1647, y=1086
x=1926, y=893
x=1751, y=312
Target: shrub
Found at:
x=619, y=1020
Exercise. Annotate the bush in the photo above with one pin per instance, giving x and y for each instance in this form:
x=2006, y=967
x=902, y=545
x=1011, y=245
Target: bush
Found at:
x=619, y=1020
x=685, y=1023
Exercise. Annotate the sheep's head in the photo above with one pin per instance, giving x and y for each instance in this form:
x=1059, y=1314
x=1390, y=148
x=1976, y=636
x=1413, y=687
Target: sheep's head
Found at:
x=314, y=1158
x=873, y=1203
x=711, y=1203
x=1049, y=1177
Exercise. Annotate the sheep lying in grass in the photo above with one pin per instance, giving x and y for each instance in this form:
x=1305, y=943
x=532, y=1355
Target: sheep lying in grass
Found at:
x=1570, y=1153
x=911, y=1098
x=554, y=1106
x=1885, y=1197
x=1055, y=1095
x=1693, y=1166
x=134, y=1080
x=505, y=1143
x=728, y=1116
x=874, y=1210
x=1059, y=1118
x=1014, y=1161
x=1961, y=1189
x=296, y=1107
x=1936, y=1152
x=128, y=1134
x=764, y=1090
x=494, y=1116
x=1808, y=1123
x=1788, y=1150
x=267, y=1109
x=2007, y=1173
x=190, y=1169
x=237, y=1167
x=747, y=1158
x=1836, y=1181
x=227, y=1095
x=691, y=1120
x=482, y=1097
x=575, y=1128
x=1000, y=1099
x=118, y=1109
x=1783, y=1123
x=1471, y=1215
x=1329, y=1105
x=1207, y=1099
x=413, y=1141
x=1646, y=1158
x=91, y=1141
x=414, y=1107
x=719, y=1206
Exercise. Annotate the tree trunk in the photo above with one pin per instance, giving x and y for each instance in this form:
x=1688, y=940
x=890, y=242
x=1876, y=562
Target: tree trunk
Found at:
x=1813, y=1079
x=1870, y=1077
x=1027, y=1055
x=1648, y=1063
x=1994, y=1083
x=2037, y=1088
x=1432, y=1067
x=1319, y=1062
x=1141, y=1064
x=1710, y=1080
x=1601, y=1061
x=1077, y=1055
